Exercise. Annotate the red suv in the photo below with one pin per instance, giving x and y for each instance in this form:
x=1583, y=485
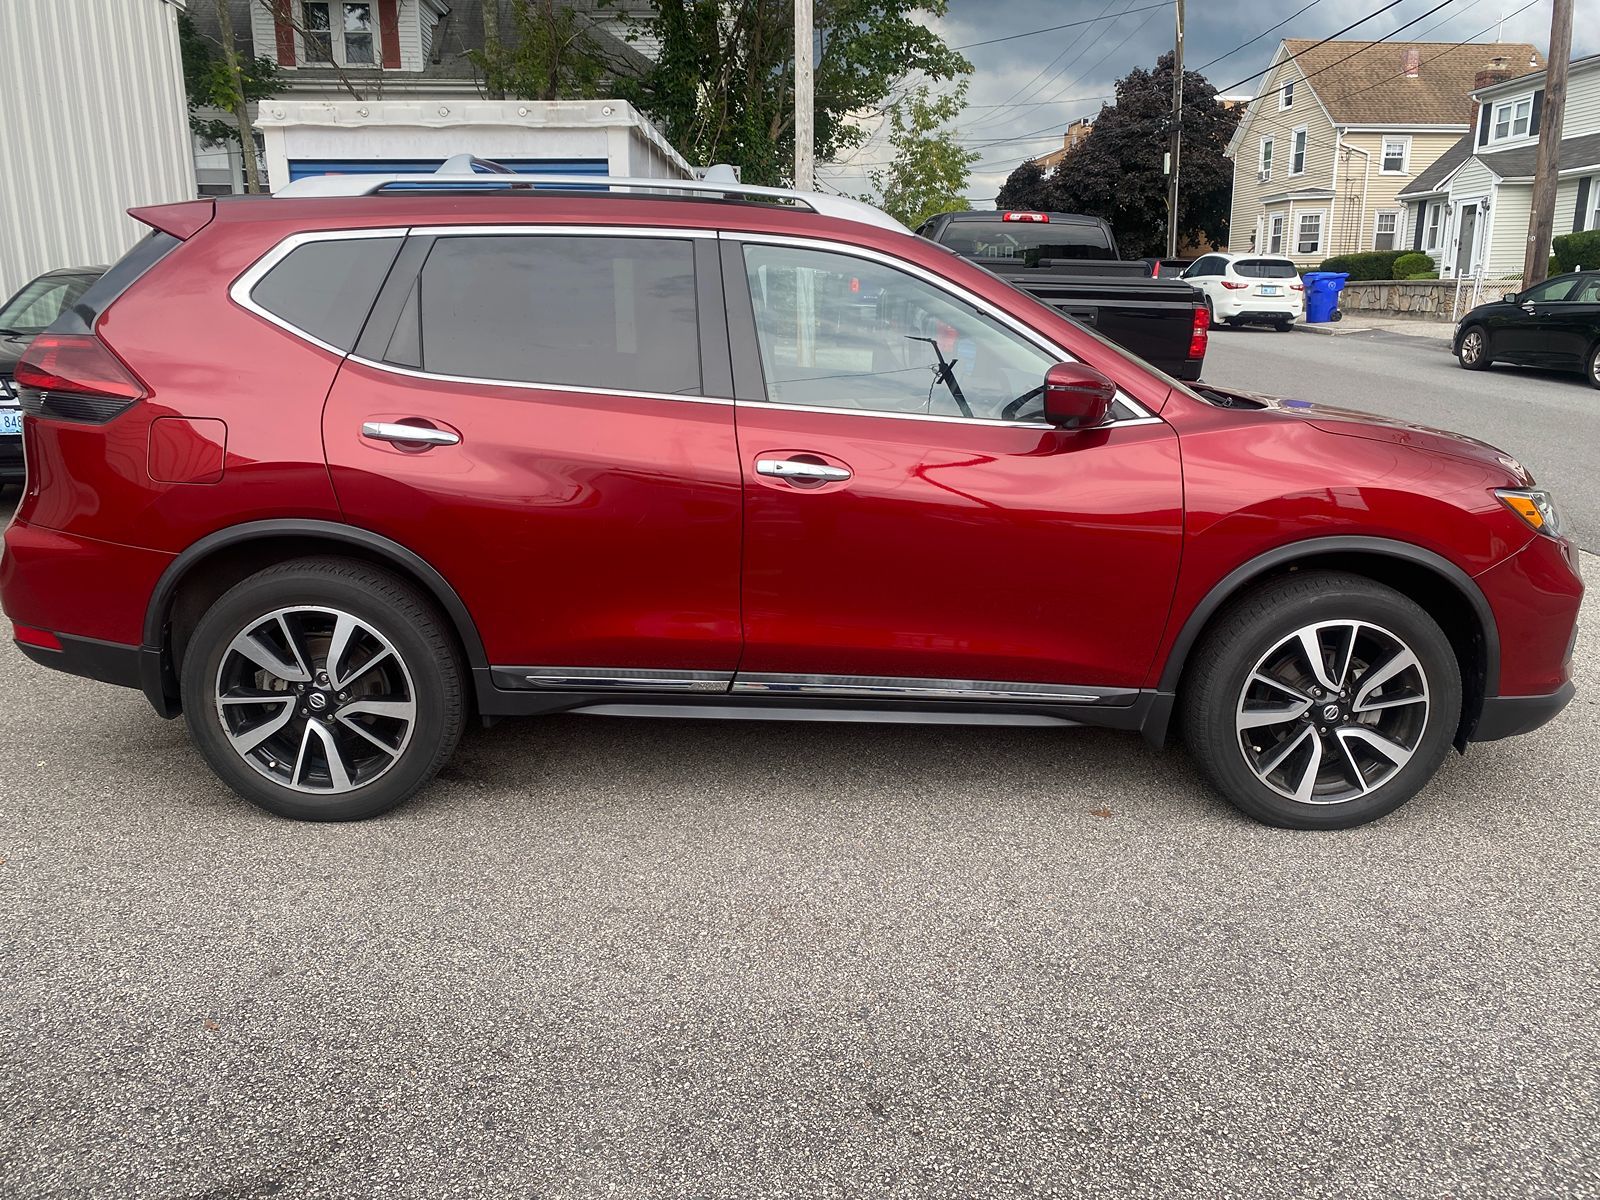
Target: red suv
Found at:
x=332, y=472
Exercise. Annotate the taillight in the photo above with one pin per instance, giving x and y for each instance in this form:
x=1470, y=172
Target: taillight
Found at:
x=1199, y=332
x=75, y=377
x=1232, y=286
x=1297, y=287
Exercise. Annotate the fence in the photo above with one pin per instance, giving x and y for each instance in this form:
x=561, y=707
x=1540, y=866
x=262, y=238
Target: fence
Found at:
x=1473, y=290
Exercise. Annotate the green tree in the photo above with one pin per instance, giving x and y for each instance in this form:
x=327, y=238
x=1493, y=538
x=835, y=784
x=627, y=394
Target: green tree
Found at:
x=1025, y=188
x=1116, y=172
x=722, y=86
x=928, y=174
x=216, y=76
x=549, y=56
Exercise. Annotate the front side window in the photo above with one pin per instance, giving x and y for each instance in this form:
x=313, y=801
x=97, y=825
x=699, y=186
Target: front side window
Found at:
x=1435, y=222
x=1275, y=235
x=1555, y=291
x=1310, y=234
x=1298, y=164
x=1394, y=155
x=1387, y=228
x=837, y=331
x=611, y=313
x=337, y=32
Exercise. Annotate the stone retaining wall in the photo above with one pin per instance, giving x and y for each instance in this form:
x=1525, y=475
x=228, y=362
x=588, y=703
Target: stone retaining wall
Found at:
x=1411, y=297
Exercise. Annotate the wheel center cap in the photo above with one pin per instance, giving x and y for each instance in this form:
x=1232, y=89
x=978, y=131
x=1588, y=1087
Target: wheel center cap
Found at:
x=1330, y=712
x=318, y=701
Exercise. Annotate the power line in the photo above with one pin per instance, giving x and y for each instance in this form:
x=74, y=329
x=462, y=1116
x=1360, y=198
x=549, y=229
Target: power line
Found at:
x=1257, y=37
x=1011, y=37
x=1029, y=88
x=1326, y=40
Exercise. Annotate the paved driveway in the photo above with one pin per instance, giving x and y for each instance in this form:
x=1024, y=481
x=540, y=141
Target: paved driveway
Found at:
x=629, y=958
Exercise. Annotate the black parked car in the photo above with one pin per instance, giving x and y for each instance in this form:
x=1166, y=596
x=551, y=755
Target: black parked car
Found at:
x=22, y=318
x=1552, y=324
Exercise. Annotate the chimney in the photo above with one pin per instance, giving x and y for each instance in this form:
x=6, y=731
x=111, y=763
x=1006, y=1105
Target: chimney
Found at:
x=1496, y=70
x=1411, y=61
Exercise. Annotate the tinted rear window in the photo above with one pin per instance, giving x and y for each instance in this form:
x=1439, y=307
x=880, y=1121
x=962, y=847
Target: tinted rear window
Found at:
x=1264, y=268
x=1028, y=241
x=327, y=287
x=599, y=312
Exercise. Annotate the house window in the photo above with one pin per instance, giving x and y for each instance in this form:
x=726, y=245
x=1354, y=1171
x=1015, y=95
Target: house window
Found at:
x=1511, y=119
x=1275, y=235
x=1297, y=159
x=1594, y=199
x=1396, y=152
x=1309, y=239
x=1386, y=231
x=1266, y=158
x=1286, y=96
x=1430, y=240
x=337, y=33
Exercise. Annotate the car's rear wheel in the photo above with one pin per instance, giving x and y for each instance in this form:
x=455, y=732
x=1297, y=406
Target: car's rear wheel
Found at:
x=1321, y=701
x=1473, y=350
x=1283, y=326
x=324, y=689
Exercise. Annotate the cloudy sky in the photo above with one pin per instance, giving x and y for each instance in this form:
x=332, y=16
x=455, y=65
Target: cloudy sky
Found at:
x=1024, y=91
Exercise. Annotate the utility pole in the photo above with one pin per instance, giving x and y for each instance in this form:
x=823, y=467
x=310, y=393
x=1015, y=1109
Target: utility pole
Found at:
x=1541, y=224
x=804, y=100
x=1176, y=153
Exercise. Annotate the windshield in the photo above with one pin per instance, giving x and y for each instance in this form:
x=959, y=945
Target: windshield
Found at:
x=1027, y=241
x=35, y=308
x=1264, y=268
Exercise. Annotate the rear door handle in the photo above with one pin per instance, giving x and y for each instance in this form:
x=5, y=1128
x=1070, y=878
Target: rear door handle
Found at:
x=789, y=468
x=393, y=431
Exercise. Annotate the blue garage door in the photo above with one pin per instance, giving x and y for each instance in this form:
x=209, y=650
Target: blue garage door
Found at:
x=301, y=168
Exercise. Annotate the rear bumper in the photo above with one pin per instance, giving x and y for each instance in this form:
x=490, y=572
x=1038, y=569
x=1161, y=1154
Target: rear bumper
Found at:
x=107, y=662
x=1508, y=716
x=1260, y=309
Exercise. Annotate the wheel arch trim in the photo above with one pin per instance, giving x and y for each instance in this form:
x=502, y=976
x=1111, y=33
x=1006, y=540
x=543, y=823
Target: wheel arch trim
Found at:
x=1230, y=584
x=418, y=568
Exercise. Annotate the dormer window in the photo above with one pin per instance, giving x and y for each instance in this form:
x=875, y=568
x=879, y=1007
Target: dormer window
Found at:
x=1511, y=119
x=336, y=31
x=1286, y=96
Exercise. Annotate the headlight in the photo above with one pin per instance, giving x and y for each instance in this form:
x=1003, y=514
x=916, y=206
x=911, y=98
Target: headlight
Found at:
x=1535, y=506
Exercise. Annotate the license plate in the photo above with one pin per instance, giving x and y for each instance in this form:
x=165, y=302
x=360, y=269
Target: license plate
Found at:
x=10, y=421
x=1269, y=291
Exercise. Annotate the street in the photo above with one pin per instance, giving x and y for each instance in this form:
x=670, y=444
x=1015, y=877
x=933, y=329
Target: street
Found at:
x=674, y=958
x=1548, y=420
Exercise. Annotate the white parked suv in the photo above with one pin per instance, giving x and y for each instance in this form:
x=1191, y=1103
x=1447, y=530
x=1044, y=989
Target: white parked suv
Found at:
x=1242, y=289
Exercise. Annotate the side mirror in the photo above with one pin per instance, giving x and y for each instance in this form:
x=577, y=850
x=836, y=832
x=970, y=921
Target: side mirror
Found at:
x=1510, y=297
x=1076, y=396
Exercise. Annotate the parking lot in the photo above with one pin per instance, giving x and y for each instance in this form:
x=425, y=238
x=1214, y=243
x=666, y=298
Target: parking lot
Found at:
x=631, y=958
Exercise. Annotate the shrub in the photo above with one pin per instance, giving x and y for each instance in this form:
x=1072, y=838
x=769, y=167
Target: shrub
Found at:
x=1553, y=267
x=1575, y=251
x=1430, y=273
x=1411, y=264
x=1376, y=264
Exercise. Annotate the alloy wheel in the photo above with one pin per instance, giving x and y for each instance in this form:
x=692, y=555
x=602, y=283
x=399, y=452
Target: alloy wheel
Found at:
x=315, y=699
x=1472, y=347
x=1332, y=712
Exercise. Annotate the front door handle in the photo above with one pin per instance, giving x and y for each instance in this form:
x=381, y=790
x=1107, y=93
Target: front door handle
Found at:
x=808, y=472
x=423, y=435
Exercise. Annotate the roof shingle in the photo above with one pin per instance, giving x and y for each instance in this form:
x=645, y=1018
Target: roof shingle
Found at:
x=1370, y=87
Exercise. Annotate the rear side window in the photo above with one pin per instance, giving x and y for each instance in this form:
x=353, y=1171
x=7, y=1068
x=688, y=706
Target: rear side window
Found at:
x=1264, y=268
x=613, y=313
x=326, y=287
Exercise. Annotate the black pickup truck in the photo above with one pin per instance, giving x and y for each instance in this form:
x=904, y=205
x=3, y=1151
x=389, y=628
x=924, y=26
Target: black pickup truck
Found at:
x=1071, y=263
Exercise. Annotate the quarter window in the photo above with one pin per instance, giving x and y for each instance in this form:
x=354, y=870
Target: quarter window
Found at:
x=1387, y=227
x=1297, y=163
x=1309, y=240
x=326, y=287
x=837, y=331
x=614, y=313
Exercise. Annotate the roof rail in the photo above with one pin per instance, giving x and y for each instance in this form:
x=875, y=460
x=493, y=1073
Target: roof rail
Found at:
x=480, y=174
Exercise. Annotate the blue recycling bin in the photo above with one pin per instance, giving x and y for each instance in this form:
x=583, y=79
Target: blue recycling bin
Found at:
x=1322, y=295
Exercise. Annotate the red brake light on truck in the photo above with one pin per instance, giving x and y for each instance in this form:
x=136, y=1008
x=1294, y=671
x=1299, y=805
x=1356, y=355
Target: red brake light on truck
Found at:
x=1036, y=218
x=1199, y=332
x=75, y=377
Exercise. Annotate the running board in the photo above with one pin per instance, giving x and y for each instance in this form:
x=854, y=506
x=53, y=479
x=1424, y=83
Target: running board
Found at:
x=877, y=716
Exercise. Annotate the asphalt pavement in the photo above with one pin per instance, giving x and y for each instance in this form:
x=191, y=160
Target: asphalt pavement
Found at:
x=1548, y=420
x=649, y=959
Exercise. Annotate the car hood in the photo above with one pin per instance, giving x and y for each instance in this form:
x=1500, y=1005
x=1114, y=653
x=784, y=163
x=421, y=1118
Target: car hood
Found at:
x=1346, y=422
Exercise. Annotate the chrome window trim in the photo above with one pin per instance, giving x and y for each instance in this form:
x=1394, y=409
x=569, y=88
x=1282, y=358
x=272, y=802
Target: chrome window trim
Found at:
x=952, y=289
x=239, y=291
x=989, y=422
x=622, y=679
x=663, y=232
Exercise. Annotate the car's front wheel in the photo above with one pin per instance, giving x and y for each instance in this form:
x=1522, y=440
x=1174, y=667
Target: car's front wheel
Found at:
x=1594, y=366
x=1473, y=350
x=1321, y=701
x=323, y=689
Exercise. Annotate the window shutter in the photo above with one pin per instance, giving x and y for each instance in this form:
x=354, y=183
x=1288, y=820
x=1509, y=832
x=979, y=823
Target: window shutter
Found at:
x=1421, y=211
x=1581, y=210
x=1483, y=124
x=283, y=33
x=389, y=31
x=1538, y=108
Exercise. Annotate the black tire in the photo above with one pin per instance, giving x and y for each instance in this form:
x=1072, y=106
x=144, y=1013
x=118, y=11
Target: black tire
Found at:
x=1472, y=351
x=1249, y=631
x=391, y=614
x=1283, y=326
x=1592, y=367
x=1211, y=313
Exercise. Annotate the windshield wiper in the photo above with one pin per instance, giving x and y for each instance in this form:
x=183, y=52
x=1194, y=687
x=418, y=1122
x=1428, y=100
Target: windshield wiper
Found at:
x=4, y=332
x=945, y=373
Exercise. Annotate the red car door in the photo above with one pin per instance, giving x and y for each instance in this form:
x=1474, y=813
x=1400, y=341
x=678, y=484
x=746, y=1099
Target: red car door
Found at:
x=911, y=524
x=572, y=471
